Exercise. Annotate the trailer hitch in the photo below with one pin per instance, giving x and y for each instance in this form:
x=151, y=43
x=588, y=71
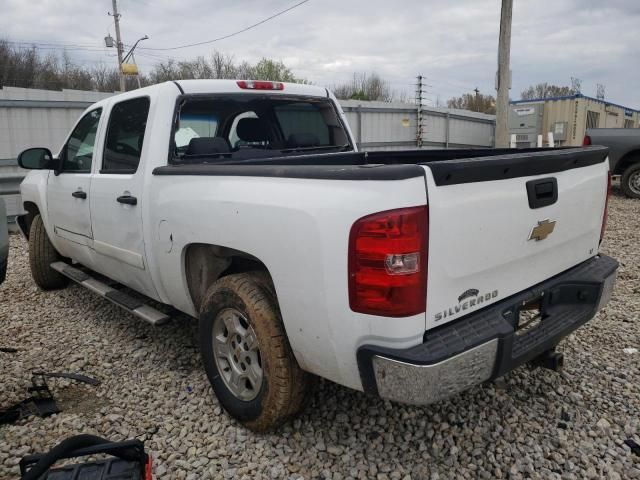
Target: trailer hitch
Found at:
x=550, y=360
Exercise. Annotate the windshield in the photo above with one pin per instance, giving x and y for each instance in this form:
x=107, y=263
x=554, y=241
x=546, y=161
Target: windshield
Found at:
x=244, y=127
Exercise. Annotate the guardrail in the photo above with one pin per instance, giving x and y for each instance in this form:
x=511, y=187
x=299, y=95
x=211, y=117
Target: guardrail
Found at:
x=10, y=184
x=10, y=178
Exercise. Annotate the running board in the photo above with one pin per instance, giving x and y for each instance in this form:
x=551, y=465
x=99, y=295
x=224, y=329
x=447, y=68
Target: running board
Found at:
x=117, y=297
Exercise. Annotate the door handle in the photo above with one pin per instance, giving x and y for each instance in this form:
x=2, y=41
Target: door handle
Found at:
x=127, y=200
x=542, y=192
x=79, y=194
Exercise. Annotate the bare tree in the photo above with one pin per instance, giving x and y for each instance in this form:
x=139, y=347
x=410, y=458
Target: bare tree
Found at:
x=365, y=86
x=223, y=66
x=546, y=90
x=22, y=67
x=474, y=102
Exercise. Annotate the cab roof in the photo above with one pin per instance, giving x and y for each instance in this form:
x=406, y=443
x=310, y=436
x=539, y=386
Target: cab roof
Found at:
x=233, y=86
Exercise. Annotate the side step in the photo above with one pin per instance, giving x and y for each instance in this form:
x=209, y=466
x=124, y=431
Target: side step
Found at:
x=129, y=303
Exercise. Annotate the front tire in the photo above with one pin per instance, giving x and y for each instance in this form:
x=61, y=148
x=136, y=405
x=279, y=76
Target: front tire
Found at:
x=630, y=181
x=246, y=353
x=41, y=255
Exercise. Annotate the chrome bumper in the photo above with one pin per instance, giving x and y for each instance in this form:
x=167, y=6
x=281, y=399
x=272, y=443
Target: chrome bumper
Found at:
x=424, y=384
x=488, y=343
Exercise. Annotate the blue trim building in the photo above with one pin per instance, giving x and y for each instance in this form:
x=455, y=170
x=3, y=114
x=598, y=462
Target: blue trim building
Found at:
x=567, y=118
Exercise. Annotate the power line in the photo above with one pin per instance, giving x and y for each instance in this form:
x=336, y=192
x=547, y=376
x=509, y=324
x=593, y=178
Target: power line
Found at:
x=231, y=34
x=52, y=44
x=37, y=47
x=95, y=48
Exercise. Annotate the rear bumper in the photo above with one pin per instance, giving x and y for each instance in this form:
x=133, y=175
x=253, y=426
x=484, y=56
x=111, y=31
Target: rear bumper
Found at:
x=484, y=345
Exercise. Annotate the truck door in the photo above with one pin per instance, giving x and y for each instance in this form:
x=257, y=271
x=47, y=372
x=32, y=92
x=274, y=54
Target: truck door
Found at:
x=116, y=198
x=68, y=191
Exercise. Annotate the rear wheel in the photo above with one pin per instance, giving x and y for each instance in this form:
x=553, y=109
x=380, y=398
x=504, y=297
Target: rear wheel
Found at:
x=41, y=255
x=246, y=353
x=630, y=181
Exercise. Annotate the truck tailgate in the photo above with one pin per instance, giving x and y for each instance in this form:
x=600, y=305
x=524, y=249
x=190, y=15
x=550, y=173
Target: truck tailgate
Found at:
x=489, y=238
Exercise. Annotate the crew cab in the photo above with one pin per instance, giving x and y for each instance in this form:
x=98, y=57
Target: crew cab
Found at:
x=624, y=155
x=412, y=275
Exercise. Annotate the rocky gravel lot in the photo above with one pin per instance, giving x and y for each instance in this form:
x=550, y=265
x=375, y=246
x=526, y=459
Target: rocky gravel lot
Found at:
x=534, y=424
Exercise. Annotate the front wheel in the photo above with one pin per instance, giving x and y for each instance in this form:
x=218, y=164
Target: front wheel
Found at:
x=246, y=353
x=630, y=181
x=41, y=255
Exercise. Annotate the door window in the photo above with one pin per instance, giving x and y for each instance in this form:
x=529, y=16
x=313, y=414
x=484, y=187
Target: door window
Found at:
x=78, y=152
x=125, y=136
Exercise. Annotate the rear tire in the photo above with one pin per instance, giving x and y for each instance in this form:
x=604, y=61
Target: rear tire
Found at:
x=630, y=181
x=272, y=387
x=41, y=255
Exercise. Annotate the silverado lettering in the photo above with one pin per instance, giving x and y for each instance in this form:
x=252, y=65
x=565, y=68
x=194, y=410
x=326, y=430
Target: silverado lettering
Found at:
x=465, y=305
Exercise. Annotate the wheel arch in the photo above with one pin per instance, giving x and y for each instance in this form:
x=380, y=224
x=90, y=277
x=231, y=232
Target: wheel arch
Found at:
x=205, y=263
x=627, y=160
x=25, y=220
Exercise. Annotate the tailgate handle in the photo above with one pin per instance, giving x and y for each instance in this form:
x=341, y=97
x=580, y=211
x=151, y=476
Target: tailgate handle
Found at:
x=542, y=192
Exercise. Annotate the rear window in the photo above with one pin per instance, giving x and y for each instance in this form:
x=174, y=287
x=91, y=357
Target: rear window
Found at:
x=195, y=126
x=299, y=119
x=223, y=127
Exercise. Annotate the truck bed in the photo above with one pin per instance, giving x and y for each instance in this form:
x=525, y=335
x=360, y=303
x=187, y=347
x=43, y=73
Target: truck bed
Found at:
x=449, y=167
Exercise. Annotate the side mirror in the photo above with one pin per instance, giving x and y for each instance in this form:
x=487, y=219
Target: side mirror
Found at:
x=36, y=159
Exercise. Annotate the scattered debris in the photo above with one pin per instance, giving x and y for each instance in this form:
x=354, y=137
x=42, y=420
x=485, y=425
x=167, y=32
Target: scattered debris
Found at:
x=41, y=401
x=71, y=376
x=633, y=445
x=630, y=350
x=128, y=459
x=8, y=350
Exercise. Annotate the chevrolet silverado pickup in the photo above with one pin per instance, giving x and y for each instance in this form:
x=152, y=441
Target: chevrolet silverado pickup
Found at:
x=624, y=155
x=412, y=275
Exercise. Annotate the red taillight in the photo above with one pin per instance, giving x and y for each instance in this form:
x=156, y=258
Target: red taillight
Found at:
x=260, y=85
x=388, y=263
x=606, y=207
x=586, y=141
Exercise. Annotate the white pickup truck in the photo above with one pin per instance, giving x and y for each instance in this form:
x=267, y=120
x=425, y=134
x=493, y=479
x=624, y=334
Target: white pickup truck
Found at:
x=412, y=275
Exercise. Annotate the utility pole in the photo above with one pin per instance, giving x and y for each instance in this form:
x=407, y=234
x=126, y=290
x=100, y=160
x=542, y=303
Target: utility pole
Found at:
x=119, y=45
x=477, y=99
x=419, y=112
x=504, y=76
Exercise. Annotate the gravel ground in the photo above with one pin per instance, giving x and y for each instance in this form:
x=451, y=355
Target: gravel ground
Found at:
x=533, y=424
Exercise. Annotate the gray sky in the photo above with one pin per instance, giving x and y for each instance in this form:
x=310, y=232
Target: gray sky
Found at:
x=452, y=43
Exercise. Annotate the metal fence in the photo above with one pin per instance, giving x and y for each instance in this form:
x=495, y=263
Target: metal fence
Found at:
x=30, y=117
x=391, y=126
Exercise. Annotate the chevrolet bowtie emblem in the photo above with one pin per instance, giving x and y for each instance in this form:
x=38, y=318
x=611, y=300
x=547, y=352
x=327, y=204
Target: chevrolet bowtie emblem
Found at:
x=542, y=230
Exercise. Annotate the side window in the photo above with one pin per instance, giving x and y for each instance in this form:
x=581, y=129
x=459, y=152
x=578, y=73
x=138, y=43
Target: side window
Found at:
x=125, y=135
x=78, y=152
